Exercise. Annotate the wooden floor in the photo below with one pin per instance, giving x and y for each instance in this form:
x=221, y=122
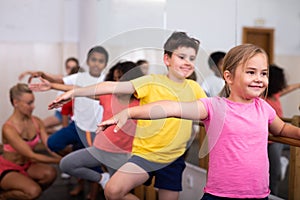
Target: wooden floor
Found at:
x=61, y=188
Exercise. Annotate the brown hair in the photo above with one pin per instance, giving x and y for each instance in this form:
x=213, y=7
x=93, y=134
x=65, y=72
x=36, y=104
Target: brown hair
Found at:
x=180, y=39
x=17, y=90
x=239, y=55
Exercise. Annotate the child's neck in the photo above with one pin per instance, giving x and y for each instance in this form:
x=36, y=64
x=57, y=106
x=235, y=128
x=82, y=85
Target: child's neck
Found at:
x=95, y=75
x=239, y=99
x=175, y=79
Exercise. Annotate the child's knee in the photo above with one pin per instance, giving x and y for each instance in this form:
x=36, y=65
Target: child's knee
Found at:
x=65, y=164
x=112, y=192
x=53, y=145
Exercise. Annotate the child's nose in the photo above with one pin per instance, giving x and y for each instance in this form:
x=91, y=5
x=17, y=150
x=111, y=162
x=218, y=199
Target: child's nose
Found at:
x=258, y=77
x=188, y=62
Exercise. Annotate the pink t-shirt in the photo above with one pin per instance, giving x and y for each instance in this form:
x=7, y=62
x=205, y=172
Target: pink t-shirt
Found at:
x=120, y=142
x=238, y=162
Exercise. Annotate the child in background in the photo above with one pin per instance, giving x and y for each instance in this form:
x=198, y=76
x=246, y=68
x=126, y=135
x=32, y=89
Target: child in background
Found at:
x=144, y=65
x=238, y=161
x=213, y=84
x=159, y=145
x=277, y=88
x=87, y=111
x=67, y=109
x=110, y=149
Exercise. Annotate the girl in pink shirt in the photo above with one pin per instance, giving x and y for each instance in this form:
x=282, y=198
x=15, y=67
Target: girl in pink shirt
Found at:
x=236, y=125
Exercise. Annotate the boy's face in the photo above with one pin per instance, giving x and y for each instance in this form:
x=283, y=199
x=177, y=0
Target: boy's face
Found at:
x=96, y=63
x=181, y=63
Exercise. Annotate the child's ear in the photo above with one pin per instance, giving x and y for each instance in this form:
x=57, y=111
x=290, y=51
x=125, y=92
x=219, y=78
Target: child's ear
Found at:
x=227, y=76
x=167, y=60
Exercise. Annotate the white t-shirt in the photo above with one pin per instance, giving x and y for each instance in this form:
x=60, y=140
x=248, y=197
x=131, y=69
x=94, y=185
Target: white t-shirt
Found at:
x=87, y=112
x=212, y=85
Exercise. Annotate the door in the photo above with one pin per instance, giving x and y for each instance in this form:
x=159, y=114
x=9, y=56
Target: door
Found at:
x=263, y=37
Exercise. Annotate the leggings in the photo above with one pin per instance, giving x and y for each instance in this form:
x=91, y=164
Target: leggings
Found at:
x=80, y=163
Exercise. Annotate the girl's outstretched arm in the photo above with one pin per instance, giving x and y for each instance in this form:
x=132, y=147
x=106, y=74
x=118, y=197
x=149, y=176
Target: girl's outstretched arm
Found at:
x=106, y=87
x=280, y=128
x=194, y=110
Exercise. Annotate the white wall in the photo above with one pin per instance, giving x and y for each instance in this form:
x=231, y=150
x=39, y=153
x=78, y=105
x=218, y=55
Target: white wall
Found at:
x=35, y=35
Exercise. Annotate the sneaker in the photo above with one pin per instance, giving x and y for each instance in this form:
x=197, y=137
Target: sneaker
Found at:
x=105, y=178
x=65, y=175
x=284, y=164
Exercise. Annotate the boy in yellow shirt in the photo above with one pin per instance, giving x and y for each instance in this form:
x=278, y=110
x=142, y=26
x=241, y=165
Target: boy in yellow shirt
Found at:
x=158, y=144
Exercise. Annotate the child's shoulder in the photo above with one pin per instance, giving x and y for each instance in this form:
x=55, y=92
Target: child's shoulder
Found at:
x=192, y=82
x=260, y=101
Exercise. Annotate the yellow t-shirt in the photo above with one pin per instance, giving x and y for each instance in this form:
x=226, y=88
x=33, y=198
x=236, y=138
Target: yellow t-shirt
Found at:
x=163, y=140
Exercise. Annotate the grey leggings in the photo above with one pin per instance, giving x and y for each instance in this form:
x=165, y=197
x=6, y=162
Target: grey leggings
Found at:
x=80, y=162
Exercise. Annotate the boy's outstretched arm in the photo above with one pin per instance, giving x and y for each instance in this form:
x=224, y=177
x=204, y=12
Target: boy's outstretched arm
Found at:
x=106, y=87
x=194, y=110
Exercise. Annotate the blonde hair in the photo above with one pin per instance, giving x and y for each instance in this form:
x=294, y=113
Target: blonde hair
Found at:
x=239, y=55
x=17, y=90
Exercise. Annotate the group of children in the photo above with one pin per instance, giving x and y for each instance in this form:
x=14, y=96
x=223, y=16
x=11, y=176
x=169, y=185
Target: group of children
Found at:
x=165, y=106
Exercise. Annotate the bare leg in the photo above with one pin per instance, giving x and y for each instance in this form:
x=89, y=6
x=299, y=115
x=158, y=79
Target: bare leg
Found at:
x=94, y=190
x=44, y=174
x=167, y=195
x=23, y=188
x=124, y=180
x=78, y=188
x=50, y=123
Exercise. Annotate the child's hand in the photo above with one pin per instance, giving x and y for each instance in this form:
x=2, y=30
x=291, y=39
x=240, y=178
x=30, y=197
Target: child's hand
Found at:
x=119, y=120
x=44, y=85
x=61, y=100
x=32, y=74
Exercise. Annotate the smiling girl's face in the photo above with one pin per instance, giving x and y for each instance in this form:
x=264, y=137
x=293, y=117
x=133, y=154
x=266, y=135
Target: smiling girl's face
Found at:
x=250, y=80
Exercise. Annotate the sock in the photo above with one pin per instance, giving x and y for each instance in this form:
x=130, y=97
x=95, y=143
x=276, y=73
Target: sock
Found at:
x=104, y=179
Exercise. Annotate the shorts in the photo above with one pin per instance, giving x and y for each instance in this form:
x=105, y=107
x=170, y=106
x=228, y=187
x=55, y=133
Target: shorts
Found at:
x=70, y=135
x=64, y=137
x=167, y=176
x=58, y=115
x=8, y=166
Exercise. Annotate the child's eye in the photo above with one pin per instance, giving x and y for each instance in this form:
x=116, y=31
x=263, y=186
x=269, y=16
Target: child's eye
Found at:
x=192, y=59
x=250, y=72
x=264, y=74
